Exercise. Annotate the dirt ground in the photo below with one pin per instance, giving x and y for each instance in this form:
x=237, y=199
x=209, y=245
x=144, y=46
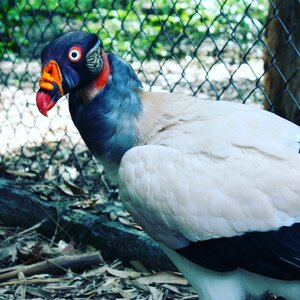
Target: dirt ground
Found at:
x=40, y=268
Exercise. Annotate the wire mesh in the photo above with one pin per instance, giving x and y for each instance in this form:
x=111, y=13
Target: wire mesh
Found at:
x=245, y=51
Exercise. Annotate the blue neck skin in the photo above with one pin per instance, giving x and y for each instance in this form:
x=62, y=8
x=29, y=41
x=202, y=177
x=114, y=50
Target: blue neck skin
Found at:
x=107, y=123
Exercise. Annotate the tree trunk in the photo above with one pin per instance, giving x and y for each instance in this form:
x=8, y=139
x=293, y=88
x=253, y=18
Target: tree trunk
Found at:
x=282, y=59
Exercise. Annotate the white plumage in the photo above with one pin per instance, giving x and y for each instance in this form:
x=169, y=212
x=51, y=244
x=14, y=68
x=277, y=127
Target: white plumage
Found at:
x=211, y=170
x=235, y=285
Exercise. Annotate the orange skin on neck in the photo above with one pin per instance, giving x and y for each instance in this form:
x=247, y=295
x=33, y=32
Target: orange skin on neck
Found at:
x=105, y=72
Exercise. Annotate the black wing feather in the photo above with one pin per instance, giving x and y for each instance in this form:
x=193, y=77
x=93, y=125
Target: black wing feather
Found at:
x=275, y=254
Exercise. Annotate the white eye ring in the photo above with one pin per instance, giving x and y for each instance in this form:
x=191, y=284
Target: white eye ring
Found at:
x=75, y=54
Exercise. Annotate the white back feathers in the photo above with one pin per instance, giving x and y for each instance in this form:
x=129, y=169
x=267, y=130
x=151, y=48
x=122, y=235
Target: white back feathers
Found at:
x=211, y=170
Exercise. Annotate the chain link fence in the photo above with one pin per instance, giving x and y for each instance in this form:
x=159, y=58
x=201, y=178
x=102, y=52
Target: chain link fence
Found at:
x=246, y=51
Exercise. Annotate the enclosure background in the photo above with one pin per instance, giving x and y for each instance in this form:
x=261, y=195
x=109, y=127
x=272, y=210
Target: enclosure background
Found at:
x=209, y=49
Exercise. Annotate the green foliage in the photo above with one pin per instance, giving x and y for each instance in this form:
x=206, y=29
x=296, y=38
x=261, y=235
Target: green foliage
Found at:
x=141, y=28
x=10, y=14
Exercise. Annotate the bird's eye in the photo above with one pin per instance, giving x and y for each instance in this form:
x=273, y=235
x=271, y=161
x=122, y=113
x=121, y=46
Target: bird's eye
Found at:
x=75, y=54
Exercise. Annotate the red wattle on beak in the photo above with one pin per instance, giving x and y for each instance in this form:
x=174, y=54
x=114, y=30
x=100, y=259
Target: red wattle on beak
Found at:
x=43, y=102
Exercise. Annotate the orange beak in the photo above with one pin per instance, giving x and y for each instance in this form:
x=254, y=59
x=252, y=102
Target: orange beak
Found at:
x=50, y=87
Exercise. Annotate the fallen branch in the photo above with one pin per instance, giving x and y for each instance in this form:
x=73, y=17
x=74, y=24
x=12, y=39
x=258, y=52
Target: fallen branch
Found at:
x=56, y=265
x=34, y=281
x=21, y=207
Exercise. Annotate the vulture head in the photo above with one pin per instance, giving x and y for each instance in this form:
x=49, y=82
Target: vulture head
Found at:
x=69, y=62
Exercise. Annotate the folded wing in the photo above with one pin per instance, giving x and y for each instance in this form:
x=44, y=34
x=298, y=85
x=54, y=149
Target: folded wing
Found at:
x=211, y=184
